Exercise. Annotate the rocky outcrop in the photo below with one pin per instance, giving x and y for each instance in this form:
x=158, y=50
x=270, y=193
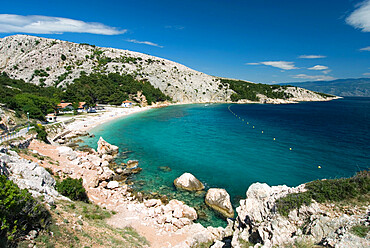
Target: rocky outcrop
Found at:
x=59, y=135
x=188, y=182
x=21, y=144
x=258, y=222
x=29, y=175
x=104, y=148
x=219, y=200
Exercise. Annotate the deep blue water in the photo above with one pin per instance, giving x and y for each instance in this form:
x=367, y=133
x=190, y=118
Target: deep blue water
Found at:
x=224, y=151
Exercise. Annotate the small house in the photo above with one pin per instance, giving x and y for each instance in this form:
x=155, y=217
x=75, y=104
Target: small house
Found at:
x=65, y=107
x=51, y=118
x=82, y=106
x=126, y=104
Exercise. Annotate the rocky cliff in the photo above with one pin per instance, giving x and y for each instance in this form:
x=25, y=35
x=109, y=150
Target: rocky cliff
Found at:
x=259, y=223
x=54, y=62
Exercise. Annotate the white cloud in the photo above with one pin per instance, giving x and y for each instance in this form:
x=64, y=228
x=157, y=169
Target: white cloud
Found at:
x=318, y=67
x=365, y=48
x=36, y=24
x=312, y=56
x=285, y=65
x=144, y=42
x=326, y=71
x=177, y=27
x=360, y=18
x=366, y=74
x=315, y=78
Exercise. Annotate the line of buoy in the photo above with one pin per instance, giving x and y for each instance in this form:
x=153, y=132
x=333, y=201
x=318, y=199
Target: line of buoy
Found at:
x=290, y=148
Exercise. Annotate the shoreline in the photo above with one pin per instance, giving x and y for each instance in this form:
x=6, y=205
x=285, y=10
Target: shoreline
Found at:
x=86, y=123
x=147, y=217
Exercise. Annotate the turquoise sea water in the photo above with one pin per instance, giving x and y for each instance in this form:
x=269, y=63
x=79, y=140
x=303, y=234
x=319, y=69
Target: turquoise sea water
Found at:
x=222, y=150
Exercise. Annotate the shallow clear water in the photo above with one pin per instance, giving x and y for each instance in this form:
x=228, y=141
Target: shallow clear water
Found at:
x=224, y=151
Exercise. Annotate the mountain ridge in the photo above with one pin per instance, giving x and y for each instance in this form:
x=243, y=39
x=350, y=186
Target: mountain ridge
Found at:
x=45, y=61
x=340, y=87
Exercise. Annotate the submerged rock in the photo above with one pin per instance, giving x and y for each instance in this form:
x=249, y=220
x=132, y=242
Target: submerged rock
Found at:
x=188, y=182
x=165, y=168
x=131, y=164
x=219, y=200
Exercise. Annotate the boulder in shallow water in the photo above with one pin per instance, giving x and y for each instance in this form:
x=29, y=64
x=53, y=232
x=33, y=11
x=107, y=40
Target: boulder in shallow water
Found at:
x=219, y=200
x=188, y=182
x=106, y=148
x=131, y=164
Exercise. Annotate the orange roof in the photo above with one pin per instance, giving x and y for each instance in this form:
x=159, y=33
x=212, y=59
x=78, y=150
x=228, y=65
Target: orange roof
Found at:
x=81, y=104
x=50, y=115
x=64, y=104
x=126, y=101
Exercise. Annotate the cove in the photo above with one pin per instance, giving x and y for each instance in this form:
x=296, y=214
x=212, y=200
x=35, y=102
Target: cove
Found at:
x=289, y=144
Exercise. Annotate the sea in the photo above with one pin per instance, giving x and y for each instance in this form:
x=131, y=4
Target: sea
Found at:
x=232, y=146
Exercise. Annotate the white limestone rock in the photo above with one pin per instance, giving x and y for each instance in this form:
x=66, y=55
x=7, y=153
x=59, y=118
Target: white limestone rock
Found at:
x=219, y=200
x=188, y=182
x=106, y=148
x=112, y=185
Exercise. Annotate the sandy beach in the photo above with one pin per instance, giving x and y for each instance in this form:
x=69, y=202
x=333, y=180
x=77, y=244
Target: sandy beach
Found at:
x=89, y=121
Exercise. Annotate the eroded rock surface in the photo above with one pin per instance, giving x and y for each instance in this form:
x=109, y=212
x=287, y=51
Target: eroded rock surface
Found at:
x=219, y=200
x=188, y=182
x=104, y=148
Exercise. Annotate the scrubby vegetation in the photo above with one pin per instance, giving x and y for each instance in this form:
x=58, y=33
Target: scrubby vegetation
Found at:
x=324, y=94
x=112, y=88
x=360, y=230
x=73, y=226
x=351, y=190
x=19, y=213
x=249, y=91
x=26, y=97
x=96, y=88
x=73, y=189
x=41, y=133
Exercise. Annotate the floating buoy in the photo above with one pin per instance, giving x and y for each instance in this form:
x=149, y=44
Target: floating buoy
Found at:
x=262, y=131
x=274, y=138
x=253, y=126
x=248, y=123
x=319, y=167
x=290, y=148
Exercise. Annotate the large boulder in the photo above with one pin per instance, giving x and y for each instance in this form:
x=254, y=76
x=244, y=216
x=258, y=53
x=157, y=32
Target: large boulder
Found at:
x=188, y=182
x=219, y=200
x=106, y=148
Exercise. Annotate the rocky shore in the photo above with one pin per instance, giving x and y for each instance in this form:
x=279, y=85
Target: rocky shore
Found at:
x=255, y=223
x=163, y=223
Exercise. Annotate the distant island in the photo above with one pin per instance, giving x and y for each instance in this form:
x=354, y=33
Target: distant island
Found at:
x=339, y=87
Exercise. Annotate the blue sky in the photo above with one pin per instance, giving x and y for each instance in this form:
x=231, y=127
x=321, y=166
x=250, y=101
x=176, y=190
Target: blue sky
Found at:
x=265, y=41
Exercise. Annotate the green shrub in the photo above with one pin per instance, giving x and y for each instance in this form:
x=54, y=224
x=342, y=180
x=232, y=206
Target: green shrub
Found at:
x=360, y=230
x=355, y=188
x=249, y=91
x=73, y=189
x=41, y=133
x=19, y=213
x=292, y=201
